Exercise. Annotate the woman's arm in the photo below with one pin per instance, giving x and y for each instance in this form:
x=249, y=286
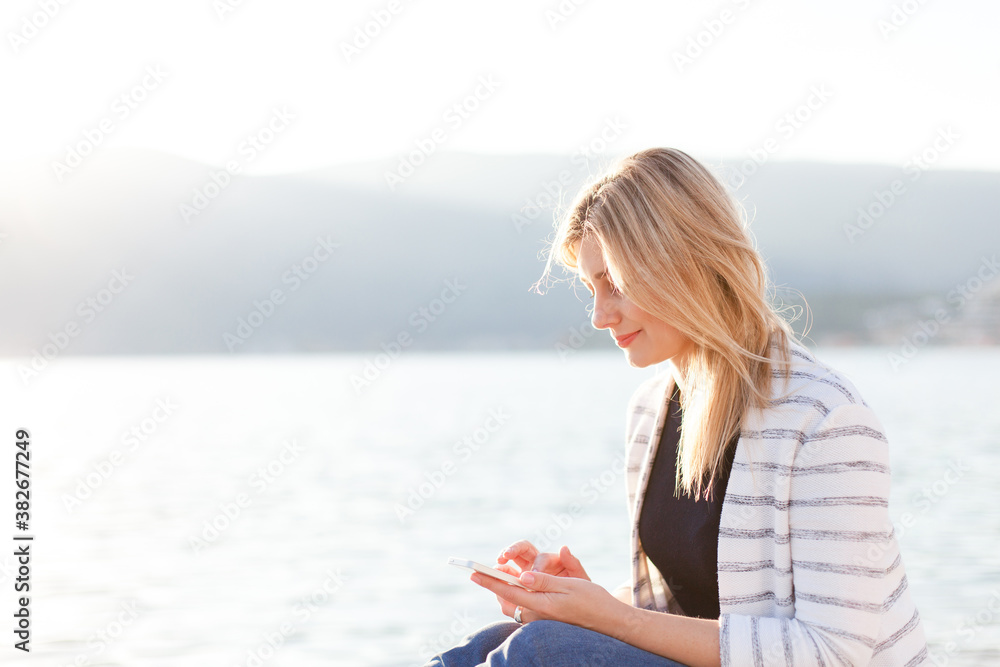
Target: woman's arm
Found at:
x=691, y=641
x=624, y=593
x=848, y=590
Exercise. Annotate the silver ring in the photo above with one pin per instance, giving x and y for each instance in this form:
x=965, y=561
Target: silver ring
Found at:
x=517, y=615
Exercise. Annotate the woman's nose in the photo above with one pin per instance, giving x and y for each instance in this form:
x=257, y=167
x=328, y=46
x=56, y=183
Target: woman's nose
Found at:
x=605, y=314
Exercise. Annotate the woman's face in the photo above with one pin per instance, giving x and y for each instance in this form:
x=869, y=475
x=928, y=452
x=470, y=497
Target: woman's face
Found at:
x=645, y=339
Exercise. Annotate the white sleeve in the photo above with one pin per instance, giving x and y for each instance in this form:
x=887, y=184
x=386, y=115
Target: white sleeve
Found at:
x=846, y=571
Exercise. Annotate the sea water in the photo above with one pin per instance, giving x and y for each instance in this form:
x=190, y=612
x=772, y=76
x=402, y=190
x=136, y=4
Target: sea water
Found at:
x=292, y=511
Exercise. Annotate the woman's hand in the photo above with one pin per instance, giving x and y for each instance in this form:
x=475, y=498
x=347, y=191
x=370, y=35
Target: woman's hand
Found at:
x=526, y=557
x=561, y=598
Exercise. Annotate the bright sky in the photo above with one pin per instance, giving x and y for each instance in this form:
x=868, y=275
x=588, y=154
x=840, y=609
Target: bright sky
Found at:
x=880, y=93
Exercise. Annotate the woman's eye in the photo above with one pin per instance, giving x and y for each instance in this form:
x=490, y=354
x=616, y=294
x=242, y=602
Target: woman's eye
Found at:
x=614, y=290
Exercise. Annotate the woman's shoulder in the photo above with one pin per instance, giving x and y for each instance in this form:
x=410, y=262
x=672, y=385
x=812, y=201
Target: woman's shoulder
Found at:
x=821, y=424
x=812, y=395
x=808, y=377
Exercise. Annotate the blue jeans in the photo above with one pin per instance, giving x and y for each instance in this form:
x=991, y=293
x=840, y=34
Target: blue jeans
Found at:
x=544, y=644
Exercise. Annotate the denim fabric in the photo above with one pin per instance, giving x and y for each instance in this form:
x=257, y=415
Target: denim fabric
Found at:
x=544, y=644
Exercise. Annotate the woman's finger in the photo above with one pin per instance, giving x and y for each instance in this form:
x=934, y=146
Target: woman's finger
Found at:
x=522, y=552
x=539, y=582
x=520, y=549
x=506, y=607
x=509, y=569
x=573, y=565
x=548, y=563
x=536, y=582
x=536, y=601
x=512, y=594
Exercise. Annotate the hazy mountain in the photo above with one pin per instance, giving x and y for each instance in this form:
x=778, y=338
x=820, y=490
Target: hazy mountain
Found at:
x=459, y=217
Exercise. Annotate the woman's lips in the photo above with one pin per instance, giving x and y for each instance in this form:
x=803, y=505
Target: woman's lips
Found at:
x=625, y=340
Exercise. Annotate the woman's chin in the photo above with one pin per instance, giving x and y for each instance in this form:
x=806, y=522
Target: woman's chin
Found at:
x=636, y=359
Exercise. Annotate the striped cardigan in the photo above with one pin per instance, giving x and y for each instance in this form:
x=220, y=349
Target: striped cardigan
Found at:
x=809, y=567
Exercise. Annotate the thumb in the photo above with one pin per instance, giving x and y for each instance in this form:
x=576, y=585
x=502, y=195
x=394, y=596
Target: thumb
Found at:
x=539, y=581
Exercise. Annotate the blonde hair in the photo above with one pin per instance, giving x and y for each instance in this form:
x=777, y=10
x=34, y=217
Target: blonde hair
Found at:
x=676, y=245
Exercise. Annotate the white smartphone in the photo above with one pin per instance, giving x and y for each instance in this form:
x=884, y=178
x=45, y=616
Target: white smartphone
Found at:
x=488, y=571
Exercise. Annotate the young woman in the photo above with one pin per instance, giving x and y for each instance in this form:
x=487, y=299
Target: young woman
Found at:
x=758, y=478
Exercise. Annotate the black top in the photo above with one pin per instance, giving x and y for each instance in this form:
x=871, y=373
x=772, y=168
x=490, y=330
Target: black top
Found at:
x=681, y=535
